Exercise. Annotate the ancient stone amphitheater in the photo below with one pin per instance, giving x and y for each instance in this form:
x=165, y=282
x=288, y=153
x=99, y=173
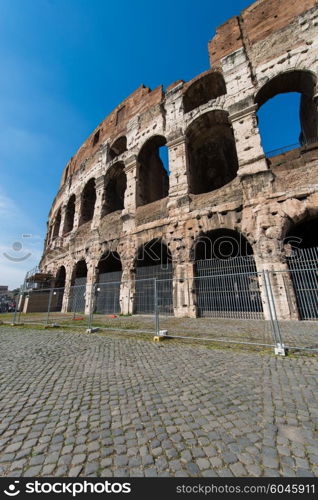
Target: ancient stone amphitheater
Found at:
x=216, y=203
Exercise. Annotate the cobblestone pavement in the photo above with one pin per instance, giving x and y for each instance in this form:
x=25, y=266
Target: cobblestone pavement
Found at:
x=75, y=404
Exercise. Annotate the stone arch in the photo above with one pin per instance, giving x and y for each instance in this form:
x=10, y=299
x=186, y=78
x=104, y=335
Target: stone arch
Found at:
x=88, y=202
x=153, y=261
x=109, y=283
x=209, y=86
x=58, y=292
x=60, y=277
x=79, y=275
x=115, y=184
x=78, y=289
x=211, y=152
x=57, y=224
x=152, y=176
x=301, y=250
x=69, y=215
x=226, y=280
x=118, y=147
x=297, y=80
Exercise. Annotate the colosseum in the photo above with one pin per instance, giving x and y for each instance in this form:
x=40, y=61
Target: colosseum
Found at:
x=174, y=184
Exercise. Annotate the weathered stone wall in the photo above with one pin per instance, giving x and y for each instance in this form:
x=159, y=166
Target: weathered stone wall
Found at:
x=270, y=38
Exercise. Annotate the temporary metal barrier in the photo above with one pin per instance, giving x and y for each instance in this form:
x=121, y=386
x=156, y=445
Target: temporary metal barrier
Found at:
x=211, y=308
x=267, y=309
x=228, y=288
x=144, y=283
x=295, y=296
x=303, y=264
x=108, y=293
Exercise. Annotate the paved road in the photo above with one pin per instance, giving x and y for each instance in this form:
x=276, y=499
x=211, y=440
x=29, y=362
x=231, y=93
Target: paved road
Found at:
x=86, y=405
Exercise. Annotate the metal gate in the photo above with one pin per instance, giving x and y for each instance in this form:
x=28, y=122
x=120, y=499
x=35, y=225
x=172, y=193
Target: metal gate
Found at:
x=303, y=264
x=227, y=288
x=145, y=289
x=108, y=293
x=77, y=296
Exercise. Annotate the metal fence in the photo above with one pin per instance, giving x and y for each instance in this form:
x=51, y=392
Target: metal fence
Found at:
x=271, y=309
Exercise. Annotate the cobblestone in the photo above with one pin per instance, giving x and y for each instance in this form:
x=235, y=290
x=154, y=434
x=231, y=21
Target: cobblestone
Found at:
x=78, y=405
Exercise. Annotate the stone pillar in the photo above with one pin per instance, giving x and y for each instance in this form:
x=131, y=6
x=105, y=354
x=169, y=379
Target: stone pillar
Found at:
x=63, y=213
x=67, y=289
x=178, y=166
x=281, y=286
x=130, y=201
x=77, y=215
x=90, y=282
x=100, y=187
x=184, y=290
x=127, y=290
x=250, y=152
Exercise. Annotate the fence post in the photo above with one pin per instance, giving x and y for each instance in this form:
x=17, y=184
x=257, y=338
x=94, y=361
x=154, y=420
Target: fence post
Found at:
x=279, y=345
x=21, y=306
x=155, y=288
x=90, y=328
x=49, y=306
x=15, y=311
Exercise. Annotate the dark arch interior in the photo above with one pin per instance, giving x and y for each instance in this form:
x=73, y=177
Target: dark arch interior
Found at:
x=57, y=224
x=153, y=178
x=110, y=263
x=304, y=235
x=60, y=277
x=69, y=215
x=88, y=202
x=221, y=244
x=80, y=270
x=118, y=147
x=212, y=152
x=305, y=120
x=49, y=236
x=153, y=253
x=203, y=90
x=115, y=187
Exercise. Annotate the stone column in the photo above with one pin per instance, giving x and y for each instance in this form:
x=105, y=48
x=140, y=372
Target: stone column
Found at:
x=100, y=187
x=127, y=289
x=280, y=282
x=63, y=213
x=90, y=281
x=130, y=201
x=250, y=152
x=184, y=290
x=178, y=166
x=77, y=214
x=67, y=289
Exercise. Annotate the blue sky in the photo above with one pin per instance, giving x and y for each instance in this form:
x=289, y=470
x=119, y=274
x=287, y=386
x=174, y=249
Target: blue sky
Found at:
x=65, y=65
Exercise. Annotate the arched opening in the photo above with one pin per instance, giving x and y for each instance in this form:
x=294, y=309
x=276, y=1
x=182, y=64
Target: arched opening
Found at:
x=118, y=147
x=49, y=234
x=60, y=278
x=153, y=262
x=57, y=224
x=109, y=281
x=301, y=246
x=287, y=112
x=58, y=292
x=69, y=215
x=153, y=171
x=226, y=281
x=88, y=202
x=115, y=187
x=204, y=89
x=211, y=152
x=78, y=288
